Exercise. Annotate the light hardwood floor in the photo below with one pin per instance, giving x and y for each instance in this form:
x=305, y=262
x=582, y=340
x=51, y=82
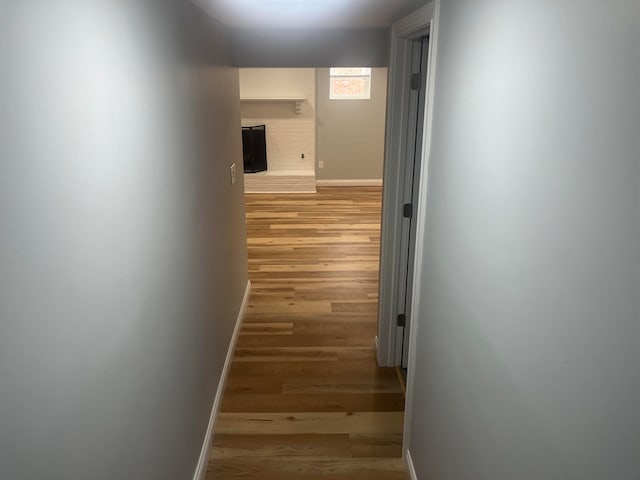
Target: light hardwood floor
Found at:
x=305, y=399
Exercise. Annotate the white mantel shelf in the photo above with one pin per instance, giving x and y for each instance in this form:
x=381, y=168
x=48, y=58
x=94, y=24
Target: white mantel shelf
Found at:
x=297, y=100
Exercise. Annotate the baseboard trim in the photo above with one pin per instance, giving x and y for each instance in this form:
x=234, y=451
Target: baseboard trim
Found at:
x=410, y=468
x=203, y=461
x=288, y=183
x=253, y=192
x=373, y=182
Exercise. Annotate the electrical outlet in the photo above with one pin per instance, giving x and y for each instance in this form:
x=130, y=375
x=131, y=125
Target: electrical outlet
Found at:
x=320, y=164
x=233, y=173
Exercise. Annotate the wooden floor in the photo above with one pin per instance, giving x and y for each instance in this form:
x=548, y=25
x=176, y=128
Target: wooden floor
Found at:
x=305, y=399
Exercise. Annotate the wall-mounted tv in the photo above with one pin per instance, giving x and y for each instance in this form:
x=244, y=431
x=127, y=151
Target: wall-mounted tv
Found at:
x=254, y=148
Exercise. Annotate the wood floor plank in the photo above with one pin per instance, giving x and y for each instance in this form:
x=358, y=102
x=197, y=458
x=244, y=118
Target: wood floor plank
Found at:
x=251, y=385
x=313, y=402
x=341, y=384
x=311, y=369
x=304, y=445
x=231, y=474
x=290, y=306
x=281, y=328
x=310, y=466
x=286, y=354
x=305, y=398
x=343, y=339
x=317, y=319
x=336, y=329
x=367, y=446
x=310, y=423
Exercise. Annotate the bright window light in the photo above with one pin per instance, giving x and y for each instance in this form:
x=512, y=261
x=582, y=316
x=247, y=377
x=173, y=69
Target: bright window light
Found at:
x=352, y=83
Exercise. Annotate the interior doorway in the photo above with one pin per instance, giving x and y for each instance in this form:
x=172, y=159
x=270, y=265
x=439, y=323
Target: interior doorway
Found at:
x=415, y=125
x=406, y=167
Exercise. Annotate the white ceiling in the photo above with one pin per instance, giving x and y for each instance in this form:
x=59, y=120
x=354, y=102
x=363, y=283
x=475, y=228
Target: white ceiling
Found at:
x=308, y=13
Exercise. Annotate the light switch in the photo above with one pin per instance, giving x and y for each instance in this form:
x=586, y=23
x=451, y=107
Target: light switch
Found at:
x=233, y=173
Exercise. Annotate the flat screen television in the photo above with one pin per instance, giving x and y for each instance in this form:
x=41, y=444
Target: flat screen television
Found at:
x=254, y=148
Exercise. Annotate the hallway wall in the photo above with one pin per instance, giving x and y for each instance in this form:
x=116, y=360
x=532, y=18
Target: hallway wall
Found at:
x=123, y=246
x=527, y=361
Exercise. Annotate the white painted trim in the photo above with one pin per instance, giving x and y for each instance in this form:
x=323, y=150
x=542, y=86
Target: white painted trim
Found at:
x=258, y=192
x=203, y=460
x=373, y=182
x=410, y=468
x=414, y=25
x=391, y=201
x=280, y=182
x=421, y=222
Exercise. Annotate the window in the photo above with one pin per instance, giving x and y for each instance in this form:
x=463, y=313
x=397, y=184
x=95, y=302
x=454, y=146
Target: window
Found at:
x=350, y=83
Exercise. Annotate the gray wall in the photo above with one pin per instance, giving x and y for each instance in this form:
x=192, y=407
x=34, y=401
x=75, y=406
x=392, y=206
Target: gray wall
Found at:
x=310, y=48
x=529, y=333
x=123, y=246
x=351, y=132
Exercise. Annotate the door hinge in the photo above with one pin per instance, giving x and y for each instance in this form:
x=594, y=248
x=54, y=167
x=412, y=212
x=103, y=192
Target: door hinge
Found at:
x=407, y=210
x=402, y=320
x=416, y=81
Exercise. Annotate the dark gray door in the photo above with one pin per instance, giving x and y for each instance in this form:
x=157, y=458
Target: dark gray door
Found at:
x=416, y=111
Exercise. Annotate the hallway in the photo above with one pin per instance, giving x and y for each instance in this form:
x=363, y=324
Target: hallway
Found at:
x=305, y=398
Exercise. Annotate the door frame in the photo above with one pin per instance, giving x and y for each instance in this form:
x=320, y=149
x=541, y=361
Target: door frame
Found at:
x=419, y=23
x=423, y=21
x=421, y=218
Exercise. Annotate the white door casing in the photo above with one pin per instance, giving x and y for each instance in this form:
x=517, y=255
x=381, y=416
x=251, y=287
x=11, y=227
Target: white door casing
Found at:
x=403, y=32
x=423, y=21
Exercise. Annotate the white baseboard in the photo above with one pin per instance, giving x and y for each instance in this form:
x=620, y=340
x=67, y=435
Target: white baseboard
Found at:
x=290, y=183
x=203, y=461
x=410, y=468
x=373, y=182
x=279, y=191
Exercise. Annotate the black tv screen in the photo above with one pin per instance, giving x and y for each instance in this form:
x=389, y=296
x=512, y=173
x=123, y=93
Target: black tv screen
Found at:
x=254, y=148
